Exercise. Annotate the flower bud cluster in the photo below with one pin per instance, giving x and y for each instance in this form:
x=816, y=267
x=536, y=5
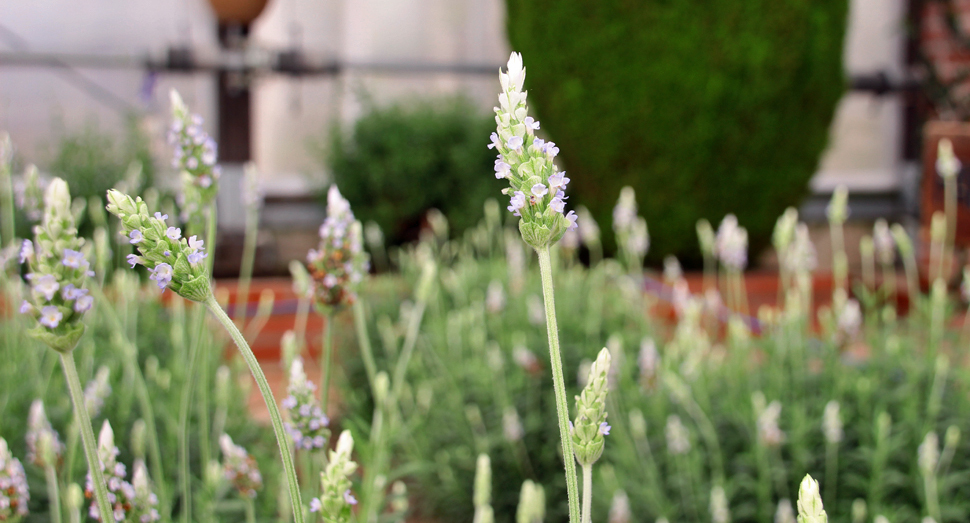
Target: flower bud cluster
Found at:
x=590, y=425
x=174, y=261
x=239, y=468
x=144, y=506
x=947, y=164
x=631, y=230
x=731, y=244
x=838, y=208
x=883, y=243
x=720, y=513
x=44, y=447
x=928, y=454
x=769, y=434
x=336, y=500
x=832, y=423
x=195, y=155
x=678, y=439
x=58, y=271
x=482, y=496
x=338, y=265
x=532, y=503
x=307, y=423
x=537, y=187
x=810, y=508
x=14, y=495
x=121, y=494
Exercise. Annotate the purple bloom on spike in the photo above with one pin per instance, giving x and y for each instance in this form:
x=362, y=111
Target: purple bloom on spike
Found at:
x=605, y=428
x=518, y=202
x=539, y=190
x=50, y=316
x=572, y=220
x=514, y=143
x=136, y=236
x=531, y=123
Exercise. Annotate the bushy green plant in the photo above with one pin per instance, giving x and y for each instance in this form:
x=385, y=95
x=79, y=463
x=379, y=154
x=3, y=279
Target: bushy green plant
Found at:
x=397, y=162
x=704, y=108
x=893, y=381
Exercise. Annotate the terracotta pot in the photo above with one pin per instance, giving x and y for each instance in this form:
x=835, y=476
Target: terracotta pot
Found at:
x=241, y=12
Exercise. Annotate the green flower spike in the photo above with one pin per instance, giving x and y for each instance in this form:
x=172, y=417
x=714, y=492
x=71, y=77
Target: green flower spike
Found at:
x=336, y=500
x=810, y=508
x=174, y=262
x=58, y=271
x=590, y=426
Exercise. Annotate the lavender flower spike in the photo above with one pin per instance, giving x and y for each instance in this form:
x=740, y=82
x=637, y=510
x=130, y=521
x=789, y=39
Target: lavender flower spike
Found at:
x=528, y=169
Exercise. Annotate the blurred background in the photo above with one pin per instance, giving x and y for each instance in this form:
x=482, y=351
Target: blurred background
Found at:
x=704, y=109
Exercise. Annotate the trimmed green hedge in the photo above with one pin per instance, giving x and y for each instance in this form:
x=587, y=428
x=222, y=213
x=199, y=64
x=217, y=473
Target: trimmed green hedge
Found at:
x=704, y=107
x=397, y=162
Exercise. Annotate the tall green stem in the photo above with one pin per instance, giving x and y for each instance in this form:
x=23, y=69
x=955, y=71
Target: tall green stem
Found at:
x=363, y=340
x=183, y=433
x=558, y=382
x=325, y=357
x=587, y=493
x=950, y=207
x=274, y=411
x=87, y=434
x=53, y=493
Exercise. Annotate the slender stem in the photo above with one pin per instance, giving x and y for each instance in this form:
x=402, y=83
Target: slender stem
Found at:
x=587, y=493
x=6, y=203
x=559, y=383
x=53, y=493
x=363, y=339
x=274, y=411
x=87, y=434
x=831, y=469
x=250, y=511
x=302, y=313
x=325, y=357
x=950, y=207
x=246, y=266
x=183, y=434
x=210, y=235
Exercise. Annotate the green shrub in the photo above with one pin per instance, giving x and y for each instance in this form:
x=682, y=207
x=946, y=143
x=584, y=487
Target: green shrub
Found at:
x=398, y=162
x=704, y=108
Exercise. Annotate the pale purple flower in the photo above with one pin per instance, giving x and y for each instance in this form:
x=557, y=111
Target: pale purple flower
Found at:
x=572, y=220
x=518, y=202
x=70, y=292
x=558, y=181
x=539, y=190
x=192, y=162
x=195, y=257
x=136, y=236
x=315, y=505
x=349, y=498
x=47, y=285
x=514, y=143
x=495, y=141
x=551, y=149
x=26, y=307
x=162, y=274
x=83, y=303
x=26, y=251
x=195, y=242
x=538, y=143
x=557, y=204
x=160, y=216
x=605, y=428
x=173, y=233
x=50, y=316
x=502, y=169
x=531, y=123
x=73, y=259
x=329, y=281
x=134, y=259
